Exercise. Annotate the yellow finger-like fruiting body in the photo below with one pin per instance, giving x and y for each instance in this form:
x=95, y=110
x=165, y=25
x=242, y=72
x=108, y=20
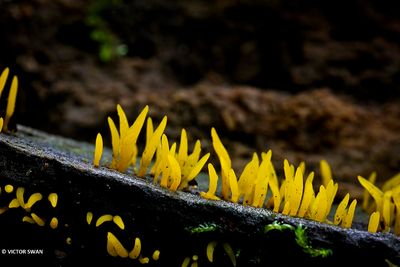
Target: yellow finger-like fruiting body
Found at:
x=114, y=246
x=341, y=210
x=20, y=196
x=137, y=247
x=396, y=200
x=14, y=204
x=28, y=220
x=233, y=186
x=210, y=250
x=386, y=209
x=103, y=219
x=151, y=147
x=12, y=96
x=115, y=143
x=54, y=223
x=348, y=219
x=198, y=167
x=175, y=173
x=307, y=196
x=9, y=188
x=275, y=194
x=374, y=222
x=1, y=124
x=247, y=178
x=183, y=148
x=98, y=150
x=229, y=251
x=3, y=79
x=156, y=255
x=366, y=195
x=318, y=209
x=331, y=191
x=213, y=183
x=219, y=147
x=53, y=199
x=391, y=183
x=186, y=262
x=89, y=217
x=326, y=172
x=261, y=184
x=39, y=221
x=375, y=192
x=35, y=197
x=119, y=222
x=297, y=192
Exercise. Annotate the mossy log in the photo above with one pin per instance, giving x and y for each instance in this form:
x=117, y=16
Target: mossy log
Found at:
x=178, y=224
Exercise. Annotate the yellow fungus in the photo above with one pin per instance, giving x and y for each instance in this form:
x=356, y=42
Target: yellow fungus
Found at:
x=195, y=257
x=247, y=179
x=386, y=209
x=261, y=183
x=54, y=223
x=103, y=219
x=68, y=241
x=20, y=196
x=137, y=247
x=391, y=183
x=14, y=204
x=289, y=176
x=175, y=173
x=144, y=260
x=1, y=124
x=341, y=210
x=12, y=96
x=275, y=194
x=307, y=196
x=149, y=129
x=114, y=247
x=348, y=219
x=210, y=250
x=114, y=142
x=186, y=262
x=375, y=192
x=9, y=188
x=318, y=209
x=331, y=191
x=234, y=186
x=297, y=192
x=229, y=251
x=374, y=222
x=33, y=199
x=98, y=150
x=53, y=198
x=326, y=172
x=123, y=121
x=119, y=222
x=89, y=217
x=212, y=188
x=151, y=147
x=39, y=221
x=28, y=219
x=197, y=168
x=156, y=255
x=371, y=179
x=183, y=148
x=219, y=147
x=3, y=79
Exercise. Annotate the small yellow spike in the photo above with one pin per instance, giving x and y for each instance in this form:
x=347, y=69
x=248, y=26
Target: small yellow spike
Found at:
x=307, y=196
x=12, y=96
x=151, y=147
x=386, y=209
x=3, y=79
x=144, y=260
x=149, y=129
x=14, y=204
x=53, y=198
x=331, y=191
x=103, y=219
x=114, y=142
x=134, y=254
x=123, y=122
x=98, y=150
x=391, y=183
x=229, y=251
x=89, y=217
x=210, y=250
x=318, y=209
x=20, y=196
x=156, y=255
x=374, y=222
x=119, y=222
x=1, y=124
x=297, y=192
x=233, y=186
x=212, y=188
x=183, y=148
x=175, y=173
x=396, y=200
x=186, y=262
x=326, y=172
x=219, y=147
x=247, y=178
x=114, y=246
x=28, y=220
x=225, y=179
x=348, y=219
x=261, y=184
x=275, y=194
x=39, y=221
x=341, y=210
x=9, y=188
x=54, y=223
x=365, y=204
x=375, y=192
x=33, y=199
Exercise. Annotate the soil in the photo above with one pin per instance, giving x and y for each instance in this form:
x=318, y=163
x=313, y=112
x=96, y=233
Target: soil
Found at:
x=308, y=80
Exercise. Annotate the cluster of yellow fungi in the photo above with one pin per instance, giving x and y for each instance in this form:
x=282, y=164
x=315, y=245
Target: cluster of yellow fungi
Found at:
x=12, y=96
x=257, y=185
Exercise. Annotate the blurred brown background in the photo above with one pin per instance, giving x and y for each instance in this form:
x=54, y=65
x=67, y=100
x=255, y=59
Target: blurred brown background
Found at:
x=307, y=79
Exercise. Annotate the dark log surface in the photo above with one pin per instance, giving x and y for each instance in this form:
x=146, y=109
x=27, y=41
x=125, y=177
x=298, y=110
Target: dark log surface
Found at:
x=162, y=219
